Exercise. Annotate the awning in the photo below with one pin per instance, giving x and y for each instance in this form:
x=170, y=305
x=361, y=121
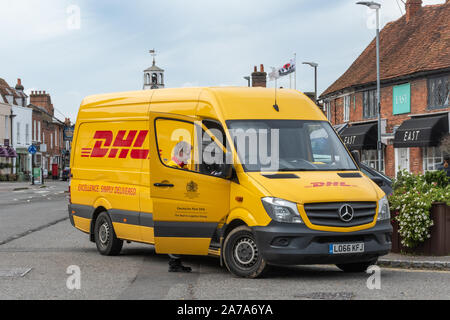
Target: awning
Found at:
x=361, y=136
x=421, y=132
x=11, y=152
x=3, y=153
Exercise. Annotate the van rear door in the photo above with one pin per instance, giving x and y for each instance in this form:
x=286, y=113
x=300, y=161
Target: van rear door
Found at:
x=188, y=203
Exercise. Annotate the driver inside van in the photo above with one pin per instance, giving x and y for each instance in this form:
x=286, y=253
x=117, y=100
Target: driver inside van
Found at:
x=181, y=155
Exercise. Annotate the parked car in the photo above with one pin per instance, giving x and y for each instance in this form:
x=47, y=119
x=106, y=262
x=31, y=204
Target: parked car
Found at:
x=379, y=178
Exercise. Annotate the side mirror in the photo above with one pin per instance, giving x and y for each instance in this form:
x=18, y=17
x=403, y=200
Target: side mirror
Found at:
x=227, y=171
x=378, y=181
x=356, y=156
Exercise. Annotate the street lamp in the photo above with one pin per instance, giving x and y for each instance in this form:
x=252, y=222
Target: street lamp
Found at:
x=314, y=65
x=248, y=79
x=376, y=6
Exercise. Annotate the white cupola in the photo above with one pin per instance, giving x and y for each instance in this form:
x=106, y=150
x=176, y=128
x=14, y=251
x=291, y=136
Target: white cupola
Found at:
x=153, y=76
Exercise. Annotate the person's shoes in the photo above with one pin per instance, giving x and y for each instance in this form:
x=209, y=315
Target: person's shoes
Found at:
x=175, y=265
x=179, y=268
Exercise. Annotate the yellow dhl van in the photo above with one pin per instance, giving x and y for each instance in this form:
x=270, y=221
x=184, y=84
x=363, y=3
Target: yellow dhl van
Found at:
x=224, y=172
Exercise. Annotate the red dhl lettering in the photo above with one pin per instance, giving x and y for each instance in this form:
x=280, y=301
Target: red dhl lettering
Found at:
x=121, y=146
x=329, y=184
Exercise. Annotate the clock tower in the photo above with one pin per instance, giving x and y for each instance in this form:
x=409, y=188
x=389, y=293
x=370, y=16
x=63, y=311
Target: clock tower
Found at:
x=153, y=76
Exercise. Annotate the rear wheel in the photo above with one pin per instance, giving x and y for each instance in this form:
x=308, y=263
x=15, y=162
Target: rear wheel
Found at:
x=356, y=267
x=241, y=254
x=105, y=237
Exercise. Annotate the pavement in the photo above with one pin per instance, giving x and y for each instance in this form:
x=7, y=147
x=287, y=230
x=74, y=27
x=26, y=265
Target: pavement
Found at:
x=396, y=260
x=18, y=186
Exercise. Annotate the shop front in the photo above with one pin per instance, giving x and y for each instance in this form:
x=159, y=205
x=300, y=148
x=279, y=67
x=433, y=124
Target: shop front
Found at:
x=363, y=137
x=23, y=164
x=417, y=140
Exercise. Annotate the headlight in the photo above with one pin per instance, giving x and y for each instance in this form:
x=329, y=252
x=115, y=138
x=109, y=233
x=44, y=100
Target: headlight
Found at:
x=282, y=210
x=383, y=209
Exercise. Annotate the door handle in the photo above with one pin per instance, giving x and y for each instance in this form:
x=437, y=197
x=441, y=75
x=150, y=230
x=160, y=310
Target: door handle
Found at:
x=162, y=185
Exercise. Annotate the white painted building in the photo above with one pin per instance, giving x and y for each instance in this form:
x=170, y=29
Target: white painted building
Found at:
x=21, y=137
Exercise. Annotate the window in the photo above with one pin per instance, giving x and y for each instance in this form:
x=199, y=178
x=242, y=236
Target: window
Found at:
x=438, y=92
x=56, y=137
x=27, y=134
x=51, y=140
x=177, y=149
x=18, y=133
x=288, y=145
x=39, y=132
x=328, y=110
x=370, y=104
x=6, y=127
x=432, y=157
x=347, y=108
x=34, y=129
x=370, y=158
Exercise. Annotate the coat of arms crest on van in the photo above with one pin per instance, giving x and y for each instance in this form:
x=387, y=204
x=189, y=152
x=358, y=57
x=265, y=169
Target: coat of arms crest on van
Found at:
x=192, y=187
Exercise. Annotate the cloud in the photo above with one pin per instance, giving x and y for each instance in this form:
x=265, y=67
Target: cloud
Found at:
x=199, y=43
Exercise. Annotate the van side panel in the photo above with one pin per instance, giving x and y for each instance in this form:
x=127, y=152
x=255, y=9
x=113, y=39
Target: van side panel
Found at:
x=107, y=168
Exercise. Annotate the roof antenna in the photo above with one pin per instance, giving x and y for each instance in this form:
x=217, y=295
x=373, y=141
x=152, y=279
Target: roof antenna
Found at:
x=275, y=106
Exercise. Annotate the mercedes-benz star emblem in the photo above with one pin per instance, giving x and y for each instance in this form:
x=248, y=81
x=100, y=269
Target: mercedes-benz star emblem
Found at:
x=346, y=213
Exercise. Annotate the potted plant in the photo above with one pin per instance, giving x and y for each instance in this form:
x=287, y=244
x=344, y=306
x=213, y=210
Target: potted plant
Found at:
x=415, y=204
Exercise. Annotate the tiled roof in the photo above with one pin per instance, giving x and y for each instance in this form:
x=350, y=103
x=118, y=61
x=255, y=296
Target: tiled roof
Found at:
x=406, y=48
x=6, y=90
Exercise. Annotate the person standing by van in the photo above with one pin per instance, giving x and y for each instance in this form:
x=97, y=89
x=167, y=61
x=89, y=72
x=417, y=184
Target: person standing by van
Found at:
x=445, y=165
x=180, y=159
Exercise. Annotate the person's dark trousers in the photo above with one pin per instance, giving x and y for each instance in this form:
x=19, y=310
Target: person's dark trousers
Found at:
x=175, y=264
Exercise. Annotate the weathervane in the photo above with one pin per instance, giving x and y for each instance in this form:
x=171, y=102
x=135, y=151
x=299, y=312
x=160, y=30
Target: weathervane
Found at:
x=153, y=53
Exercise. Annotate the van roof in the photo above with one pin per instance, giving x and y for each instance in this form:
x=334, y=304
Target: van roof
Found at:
x=233, y=102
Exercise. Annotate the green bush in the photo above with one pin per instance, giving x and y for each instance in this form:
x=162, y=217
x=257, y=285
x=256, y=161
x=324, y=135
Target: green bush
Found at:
x=3, y=177
x=412, y=199
x=12, y=177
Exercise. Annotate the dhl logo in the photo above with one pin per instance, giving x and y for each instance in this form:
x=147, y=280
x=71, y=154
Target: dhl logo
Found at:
x=329, y=184
x=121, y=148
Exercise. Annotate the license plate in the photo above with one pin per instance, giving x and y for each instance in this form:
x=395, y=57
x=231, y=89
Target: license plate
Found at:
x=342, y=248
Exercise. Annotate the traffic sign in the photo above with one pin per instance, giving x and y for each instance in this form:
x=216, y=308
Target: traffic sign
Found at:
x=32, y=149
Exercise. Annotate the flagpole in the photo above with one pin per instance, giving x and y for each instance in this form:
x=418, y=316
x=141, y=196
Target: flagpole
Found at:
x=295, y=73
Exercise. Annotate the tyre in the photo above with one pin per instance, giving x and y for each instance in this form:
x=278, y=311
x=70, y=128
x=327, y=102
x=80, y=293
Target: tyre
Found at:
x=241, y=254
x=356, y=267
x=105, y=237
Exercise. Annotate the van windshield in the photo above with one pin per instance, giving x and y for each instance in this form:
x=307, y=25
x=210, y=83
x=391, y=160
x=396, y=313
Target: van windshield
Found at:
x=289, y=145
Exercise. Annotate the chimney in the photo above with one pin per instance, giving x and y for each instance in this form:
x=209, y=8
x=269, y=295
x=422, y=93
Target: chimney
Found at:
x=42, y=100
x=259, y=78
x=412, y=7
x=19, y=86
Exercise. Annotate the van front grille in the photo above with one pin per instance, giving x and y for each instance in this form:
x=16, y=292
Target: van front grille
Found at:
x=327, y=213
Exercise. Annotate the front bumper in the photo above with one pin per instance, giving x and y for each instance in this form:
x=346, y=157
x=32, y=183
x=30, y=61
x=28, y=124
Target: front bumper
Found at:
x=293, y=244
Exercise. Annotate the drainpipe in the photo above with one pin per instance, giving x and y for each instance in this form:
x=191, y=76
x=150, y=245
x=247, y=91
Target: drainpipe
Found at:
x=11, y=140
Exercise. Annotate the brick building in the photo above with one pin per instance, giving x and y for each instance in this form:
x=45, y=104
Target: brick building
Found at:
x=47, y=133
x=415, y=86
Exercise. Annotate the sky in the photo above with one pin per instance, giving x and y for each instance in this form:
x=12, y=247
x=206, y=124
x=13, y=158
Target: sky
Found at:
x=75, y=48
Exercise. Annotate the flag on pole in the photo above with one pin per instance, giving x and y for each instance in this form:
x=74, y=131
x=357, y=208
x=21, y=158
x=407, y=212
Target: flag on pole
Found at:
x=286, y=69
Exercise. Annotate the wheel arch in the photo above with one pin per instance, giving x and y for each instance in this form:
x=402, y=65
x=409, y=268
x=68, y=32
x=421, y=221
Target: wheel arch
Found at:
x=95, y=215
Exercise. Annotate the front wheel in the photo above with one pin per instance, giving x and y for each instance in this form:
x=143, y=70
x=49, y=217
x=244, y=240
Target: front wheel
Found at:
x=356, y=267
x=105, y=237
x=241, y=254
